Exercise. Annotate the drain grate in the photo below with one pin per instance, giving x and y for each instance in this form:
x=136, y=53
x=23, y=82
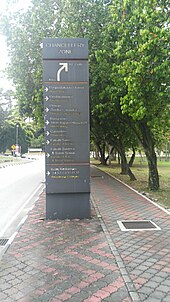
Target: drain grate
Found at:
x=137, y=225
x=3, y=241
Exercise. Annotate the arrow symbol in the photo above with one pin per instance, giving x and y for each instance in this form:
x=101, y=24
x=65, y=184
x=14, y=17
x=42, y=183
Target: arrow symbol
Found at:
x=47, y=142
x=46, y=98
x=64, y=66
x=48, y=173
x=46, y=89
x=47, y=133
x=47, y=122
x=47, y=109
x=48, y=155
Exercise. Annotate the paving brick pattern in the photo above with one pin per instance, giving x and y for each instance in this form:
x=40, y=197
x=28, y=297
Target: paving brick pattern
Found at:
x=60, y=261
x=90, y=260
x=145, y=254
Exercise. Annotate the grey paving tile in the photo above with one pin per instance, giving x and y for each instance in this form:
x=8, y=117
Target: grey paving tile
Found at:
x=61, y=256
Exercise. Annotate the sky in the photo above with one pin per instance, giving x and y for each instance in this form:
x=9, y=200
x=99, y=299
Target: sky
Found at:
x=3, y=61
x=18, y=4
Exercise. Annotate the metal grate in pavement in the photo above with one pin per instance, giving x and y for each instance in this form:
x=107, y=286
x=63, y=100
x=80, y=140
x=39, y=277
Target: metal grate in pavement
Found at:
x=3, y=241
x=137, y=225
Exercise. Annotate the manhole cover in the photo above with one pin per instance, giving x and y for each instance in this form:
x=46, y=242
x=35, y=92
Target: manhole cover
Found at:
x=3, y=241
x=137, y=225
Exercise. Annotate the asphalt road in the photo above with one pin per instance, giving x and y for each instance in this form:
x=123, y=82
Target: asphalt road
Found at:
x=20, y=186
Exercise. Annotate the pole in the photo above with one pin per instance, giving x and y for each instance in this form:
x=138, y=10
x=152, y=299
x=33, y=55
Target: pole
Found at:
x=17, y=134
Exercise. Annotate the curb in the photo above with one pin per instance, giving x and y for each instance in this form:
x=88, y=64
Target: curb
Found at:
x=125, y=275
x=167, y=211
x=9, y=164
x=21, y=223
x=11, y=239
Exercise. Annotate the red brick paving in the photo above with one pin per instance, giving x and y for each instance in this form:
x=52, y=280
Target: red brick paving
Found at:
x=72, y=261
x=59, y=260
x=145, y=254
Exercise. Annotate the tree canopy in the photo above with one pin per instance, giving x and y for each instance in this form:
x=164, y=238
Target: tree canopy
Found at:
x=129, y=45
x=136, y=52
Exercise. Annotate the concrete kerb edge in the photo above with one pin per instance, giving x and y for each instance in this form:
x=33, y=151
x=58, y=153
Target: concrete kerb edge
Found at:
x=125, y=275
x=154, y=203
x=10, y=164
x=21, y=223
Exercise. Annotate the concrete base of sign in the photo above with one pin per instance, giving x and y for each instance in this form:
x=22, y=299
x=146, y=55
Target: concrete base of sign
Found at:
x=68, y=206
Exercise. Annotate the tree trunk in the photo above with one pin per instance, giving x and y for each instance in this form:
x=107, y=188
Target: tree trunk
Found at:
x=114, y=154
x=131, y=175
x=146, y=139
x=123, y=161
x=96, y=154
x=125, y=169
x=118, y=157
x=132, y=158
x=101, y=149
x=109, y=155
x=148, y=145
x=153, y=180
x=124, y=164
x=103, y=160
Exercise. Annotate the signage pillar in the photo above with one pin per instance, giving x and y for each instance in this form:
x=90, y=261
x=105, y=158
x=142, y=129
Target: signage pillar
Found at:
x=66, y=105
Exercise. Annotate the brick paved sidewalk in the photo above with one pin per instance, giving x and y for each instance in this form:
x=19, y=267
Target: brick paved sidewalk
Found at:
x=90, y=260
x=60, y=261
x=144, y=255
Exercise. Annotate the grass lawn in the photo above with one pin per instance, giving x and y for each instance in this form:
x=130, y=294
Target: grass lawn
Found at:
x=140, y=170
x=5, y=159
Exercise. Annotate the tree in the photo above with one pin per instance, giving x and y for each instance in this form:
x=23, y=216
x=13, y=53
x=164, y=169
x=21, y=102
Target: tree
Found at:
x=6, y=98
x=109, y=130
x=25, y=30
x=137, y=48
x=129, y=58
x=8, y=132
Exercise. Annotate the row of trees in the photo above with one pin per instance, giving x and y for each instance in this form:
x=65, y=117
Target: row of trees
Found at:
x=129, y=44
x=13, y=128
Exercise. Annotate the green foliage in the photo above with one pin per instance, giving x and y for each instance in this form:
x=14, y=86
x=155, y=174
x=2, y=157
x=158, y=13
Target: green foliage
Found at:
x=8, y=131
x=129, y=65
x=24, y=31
x=142, y=51
x=38, y=142
x=134, y=73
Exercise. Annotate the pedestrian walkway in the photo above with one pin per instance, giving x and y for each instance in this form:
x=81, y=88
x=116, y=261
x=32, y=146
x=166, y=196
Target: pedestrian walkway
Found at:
x=90, y=260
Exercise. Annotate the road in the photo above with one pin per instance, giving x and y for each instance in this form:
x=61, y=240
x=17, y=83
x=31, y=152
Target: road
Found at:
x=20, y=186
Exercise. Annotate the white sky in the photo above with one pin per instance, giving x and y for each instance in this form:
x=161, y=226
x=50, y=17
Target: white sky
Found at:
x=19, y=4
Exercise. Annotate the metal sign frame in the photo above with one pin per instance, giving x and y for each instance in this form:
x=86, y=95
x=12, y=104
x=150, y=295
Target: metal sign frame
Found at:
x=66, y=117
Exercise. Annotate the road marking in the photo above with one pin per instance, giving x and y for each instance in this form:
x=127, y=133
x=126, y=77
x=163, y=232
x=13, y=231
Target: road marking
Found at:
x=39, y=188
x=12, y=238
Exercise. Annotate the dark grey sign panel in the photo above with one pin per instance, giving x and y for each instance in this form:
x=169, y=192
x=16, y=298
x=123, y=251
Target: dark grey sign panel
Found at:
x=66, y=105
x=71, y=100
x=70, y=71
x=67, y=178
x=72, y=205
x=67, y=148
x=65, y=48
x=67, y=124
